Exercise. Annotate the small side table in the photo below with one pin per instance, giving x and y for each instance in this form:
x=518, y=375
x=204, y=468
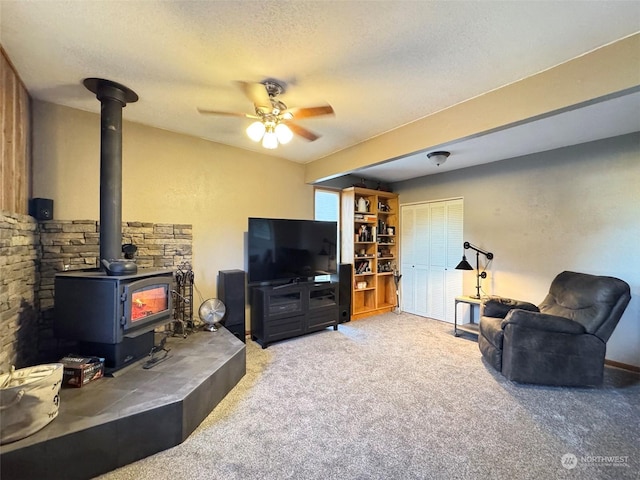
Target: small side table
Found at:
x=470, y=327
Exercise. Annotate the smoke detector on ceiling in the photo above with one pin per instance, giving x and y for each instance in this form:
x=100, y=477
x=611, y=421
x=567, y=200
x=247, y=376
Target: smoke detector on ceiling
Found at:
x=438, y=158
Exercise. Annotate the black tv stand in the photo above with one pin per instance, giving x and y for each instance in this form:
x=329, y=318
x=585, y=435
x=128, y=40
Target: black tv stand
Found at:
x=285, y=311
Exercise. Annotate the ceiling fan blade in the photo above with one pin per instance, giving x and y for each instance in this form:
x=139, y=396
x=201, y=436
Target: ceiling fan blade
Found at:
x=311, y=111
x=227, y=114
x=303, y=132
x=257, y=93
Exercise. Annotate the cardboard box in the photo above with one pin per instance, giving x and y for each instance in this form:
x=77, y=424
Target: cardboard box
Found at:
x=79, y=371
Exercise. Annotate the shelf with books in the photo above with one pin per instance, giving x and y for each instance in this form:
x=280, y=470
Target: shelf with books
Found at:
x=369, y=241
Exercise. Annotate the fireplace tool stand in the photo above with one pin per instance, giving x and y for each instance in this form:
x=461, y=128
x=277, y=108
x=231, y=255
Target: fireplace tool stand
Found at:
x=183, y=301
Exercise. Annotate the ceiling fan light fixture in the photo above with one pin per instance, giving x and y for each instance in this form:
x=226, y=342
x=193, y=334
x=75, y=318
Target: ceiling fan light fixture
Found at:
x=438, y=158
x=255, y=131
x=283, y=133
x=270, y=139
x=271, y=113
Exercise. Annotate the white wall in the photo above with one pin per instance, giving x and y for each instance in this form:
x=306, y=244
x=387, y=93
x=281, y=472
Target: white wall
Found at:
x=167, y=178
x=575, y=208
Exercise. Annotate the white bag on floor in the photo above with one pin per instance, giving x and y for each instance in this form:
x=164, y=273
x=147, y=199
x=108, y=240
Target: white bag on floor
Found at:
x=29, y=400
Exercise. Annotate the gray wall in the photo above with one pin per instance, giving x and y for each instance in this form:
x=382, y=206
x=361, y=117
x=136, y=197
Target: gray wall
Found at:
x=575, y=208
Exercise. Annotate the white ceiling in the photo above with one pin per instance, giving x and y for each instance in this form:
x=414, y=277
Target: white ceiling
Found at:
x=380, y=64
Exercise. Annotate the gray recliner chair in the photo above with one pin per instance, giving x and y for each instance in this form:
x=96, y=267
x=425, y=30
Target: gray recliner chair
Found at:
x=560, y=342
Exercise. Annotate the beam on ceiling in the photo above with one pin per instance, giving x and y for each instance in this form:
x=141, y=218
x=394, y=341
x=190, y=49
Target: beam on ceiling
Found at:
x=601, y=73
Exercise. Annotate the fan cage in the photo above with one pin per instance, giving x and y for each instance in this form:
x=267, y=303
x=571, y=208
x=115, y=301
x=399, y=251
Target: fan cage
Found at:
x=212, y=305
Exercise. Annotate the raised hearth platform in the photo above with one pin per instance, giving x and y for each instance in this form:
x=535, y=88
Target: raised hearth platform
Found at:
x=117, y=420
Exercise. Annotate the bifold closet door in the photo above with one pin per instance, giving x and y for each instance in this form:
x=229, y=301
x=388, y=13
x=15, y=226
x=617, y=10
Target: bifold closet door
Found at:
x=454, y=252
x=414, y=258
x=431, y=247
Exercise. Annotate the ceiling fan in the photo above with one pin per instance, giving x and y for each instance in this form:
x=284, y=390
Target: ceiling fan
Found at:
x=273, y=123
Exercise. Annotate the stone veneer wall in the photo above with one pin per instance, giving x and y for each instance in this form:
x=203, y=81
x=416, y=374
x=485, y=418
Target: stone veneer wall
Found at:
x=19, y=277
x=33, y=252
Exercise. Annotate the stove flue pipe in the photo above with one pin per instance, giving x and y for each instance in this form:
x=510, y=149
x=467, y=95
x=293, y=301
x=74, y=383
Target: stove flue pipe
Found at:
x=113, y=98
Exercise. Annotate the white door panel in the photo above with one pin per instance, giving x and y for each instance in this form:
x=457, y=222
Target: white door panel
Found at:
x=431, y=247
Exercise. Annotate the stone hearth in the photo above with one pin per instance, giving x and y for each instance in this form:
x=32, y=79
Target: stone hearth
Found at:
x=117, y=420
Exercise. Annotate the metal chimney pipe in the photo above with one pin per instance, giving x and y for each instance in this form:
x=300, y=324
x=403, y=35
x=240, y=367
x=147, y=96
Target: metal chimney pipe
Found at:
x=113, y=98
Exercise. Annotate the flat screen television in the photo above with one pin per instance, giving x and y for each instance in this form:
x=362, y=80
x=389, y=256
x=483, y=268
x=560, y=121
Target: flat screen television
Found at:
x=282, y=250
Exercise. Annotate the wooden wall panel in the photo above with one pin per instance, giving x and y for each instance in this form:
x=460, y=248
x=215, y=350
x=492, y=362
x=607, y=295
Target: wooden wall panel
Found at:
x=15, y=154
x=23, y=110
x=4, y=128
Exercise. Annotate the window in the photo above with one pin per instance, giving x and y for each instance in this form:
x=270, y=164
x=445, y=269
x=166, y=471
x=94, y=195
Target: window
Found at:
x=327, y=205
x=327, y=208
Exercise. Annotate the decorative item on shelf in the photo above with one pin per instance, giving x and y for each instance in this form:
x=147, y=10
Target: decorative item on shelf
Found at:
x=383, y=207
x=390, y=230
x=438, y=158
x=385, y=267
x=464, y=265
x=361, y=285
x=365, y=234
x=383, y=188
x=362, y=184
x=363, y=205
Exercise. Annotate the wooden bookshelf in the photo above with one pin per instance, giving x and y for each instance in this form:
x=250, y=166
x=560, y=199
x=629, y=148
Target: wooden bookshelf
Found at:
x=369, y=241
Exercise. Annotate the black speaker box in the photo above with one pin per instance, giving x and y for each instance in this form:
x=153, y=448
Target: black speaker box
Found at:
x=41, y=208
x=344, y=292
x=231, y=290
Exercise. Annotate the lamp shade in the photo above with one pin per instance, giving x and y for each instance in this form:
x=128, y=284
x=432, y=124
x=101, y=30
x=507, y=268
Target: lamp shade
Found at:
x=283, y=133
x=270, y=140
x=255, y=131
x=464, y=265
x=438, y=158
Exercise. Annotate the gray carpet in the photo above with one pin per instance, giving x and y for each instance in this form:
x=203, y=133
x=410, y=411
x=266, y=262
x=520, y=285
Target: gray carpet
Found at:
x=399, y=397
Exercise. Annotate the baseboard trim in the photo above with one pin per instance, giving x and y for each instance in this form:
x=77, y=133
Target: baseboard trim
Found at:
x=623, y=366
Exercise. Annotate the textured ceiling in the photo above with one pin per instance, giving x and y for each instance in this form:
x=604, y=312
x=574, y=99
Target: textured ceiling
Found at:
x=380, y=64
